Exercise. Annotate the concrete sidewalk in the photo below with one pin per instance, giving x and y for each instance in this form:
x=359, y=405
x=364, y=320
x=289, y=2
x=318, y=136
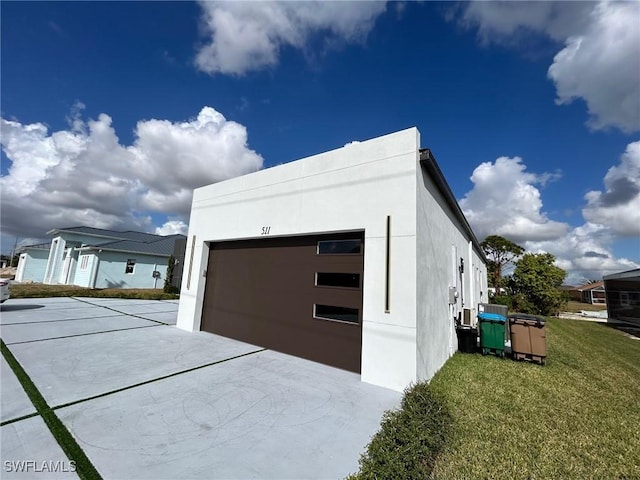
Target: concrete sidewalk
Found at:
x=146, y=400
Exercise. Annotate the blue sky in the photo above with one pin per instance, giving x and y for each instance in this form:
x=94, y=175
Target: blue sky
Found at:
x=112, y=112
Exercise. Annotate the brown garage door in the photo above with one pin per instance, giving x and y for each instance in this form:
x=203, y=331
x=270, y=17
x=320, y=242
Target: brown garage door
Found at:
x=297, y=295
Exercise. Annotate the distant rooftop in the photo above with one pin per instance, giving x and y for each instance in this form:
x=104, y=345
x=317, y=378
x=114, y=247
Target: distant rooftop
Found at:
x=37, y=246
x=121, y=241
x=116, y=234
x=163, y=246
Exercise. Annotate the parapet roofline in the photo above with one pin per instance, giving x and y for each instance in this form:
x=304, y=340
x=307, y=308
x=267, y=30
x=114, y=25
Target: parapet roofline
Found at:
x=428, y=161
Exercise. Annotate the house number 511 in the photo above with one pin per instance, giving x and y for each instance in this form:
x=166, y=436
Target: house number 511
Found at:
x=265, y=230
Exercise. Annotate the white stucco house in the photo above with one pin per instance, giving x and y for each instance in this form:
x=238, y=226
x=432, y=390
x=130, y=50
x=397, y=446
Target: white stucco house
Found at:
x=98, y=258
x=359, y=258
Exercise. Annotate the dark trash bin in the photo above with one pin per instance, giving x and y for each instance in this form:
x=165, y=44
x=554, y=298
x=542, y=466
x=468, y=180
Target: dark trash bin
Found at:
x=467, y=339
x=492, y=326
x=528, y=337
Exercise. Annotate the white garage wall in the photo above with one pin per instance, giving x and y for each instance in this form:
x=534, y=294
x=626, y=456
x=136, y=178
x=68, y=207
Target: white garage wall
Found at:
x=351, y=188
x=441, y=242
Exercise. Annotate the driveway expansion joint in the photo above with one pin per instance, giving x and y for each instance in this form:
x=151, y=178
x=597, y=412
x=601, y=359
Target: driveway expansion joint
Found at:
x=157, y=379
x=17, y=419
x=120, y=312
x=85, y=334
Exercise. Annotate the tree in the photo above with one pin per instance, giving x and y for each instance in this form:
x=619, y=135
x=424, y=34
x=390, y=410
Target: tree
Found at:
x=500, y=253
x=535, y=283
x=168, y=286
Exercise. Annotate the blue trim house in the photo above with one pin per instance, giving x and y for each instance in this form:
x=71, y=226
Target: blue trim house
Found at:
x=97, y=258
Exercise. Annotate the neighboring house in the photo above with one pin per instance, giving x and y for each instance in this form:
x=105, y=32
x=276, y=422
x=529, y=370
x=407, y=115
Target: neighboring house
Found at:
x=593, y=293
x=571, y=292
x=32, y=262
x=359, y=258
x=623, y=295
x=98, y=258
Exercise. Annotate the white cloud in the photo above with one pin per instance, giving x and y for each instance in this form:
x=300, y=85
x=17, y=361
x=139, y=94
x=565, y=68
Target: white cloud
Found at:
x=245, y=36
x=174, y=158
x=602, y=66
x=499, y=22
x=172, y=227
x=618, y=207
x=585, y=253
x=505, y=201
x=85, y=176
x=600, y=62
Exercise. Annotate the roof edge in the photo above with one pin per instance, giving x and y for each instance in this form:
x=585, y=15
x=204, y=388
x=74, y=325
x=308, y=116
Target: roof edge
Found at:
x=68, y=230
x=428, y=161
x=98, y=249
x=634, y=272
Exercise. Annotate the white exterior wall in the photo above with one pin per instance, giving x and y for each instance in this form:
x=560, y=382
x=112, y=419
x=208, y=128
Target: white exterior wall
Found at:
x=441, y=242
x=111, y=271
x=85, y=277
x=351, y=188
x=22, y=262
x=60, y=265
x=54, y=264
x=32, y=266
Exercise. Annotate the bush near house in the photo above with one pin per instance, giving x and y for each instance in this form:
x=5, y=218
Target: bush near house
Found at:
x=168, y=278
x=409, y=439
x=534, y=286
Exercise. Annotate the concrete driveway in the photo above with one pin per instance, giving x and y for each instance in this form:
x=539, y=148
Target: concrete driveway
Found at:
x=146, y=400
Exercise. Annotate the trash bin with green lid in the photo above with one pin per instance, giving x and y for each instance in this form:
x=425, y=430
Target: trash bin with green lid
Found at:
x=492, y=331
x=528, y=337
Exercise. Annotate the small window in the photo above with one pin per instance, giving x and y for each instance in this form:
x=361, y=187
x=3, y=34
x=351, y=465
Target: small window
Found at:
x=347, y=280
x=330, y=312
x=84, y=261
x=131, y=263
x=330, y=247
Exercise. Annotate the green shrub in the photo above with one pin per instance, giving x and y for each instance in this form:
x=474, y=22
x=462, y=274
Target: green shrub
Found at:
x=168, y=278
x=409, y=439
x=536, y=282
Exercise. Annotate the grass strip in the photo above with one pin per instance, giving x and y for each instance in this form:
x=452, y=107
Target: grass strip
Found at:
x=153, y=380
x=38, y=290
x=84, y=467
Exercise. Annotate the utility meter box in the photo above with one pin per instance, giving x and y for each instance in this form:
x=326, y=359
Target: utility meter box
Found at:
x=453, y=295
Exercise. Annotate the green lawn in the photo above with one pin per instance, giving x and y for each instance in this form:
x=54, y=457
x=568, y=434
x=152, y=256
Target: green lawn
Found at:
x=576, y=417
x=576, y=307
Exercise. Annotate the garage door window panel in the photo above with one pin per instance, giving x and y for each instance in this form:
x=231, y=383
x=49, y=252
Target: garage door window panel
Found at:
x=338, y=279
x=340, y=247
x=332, y=312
